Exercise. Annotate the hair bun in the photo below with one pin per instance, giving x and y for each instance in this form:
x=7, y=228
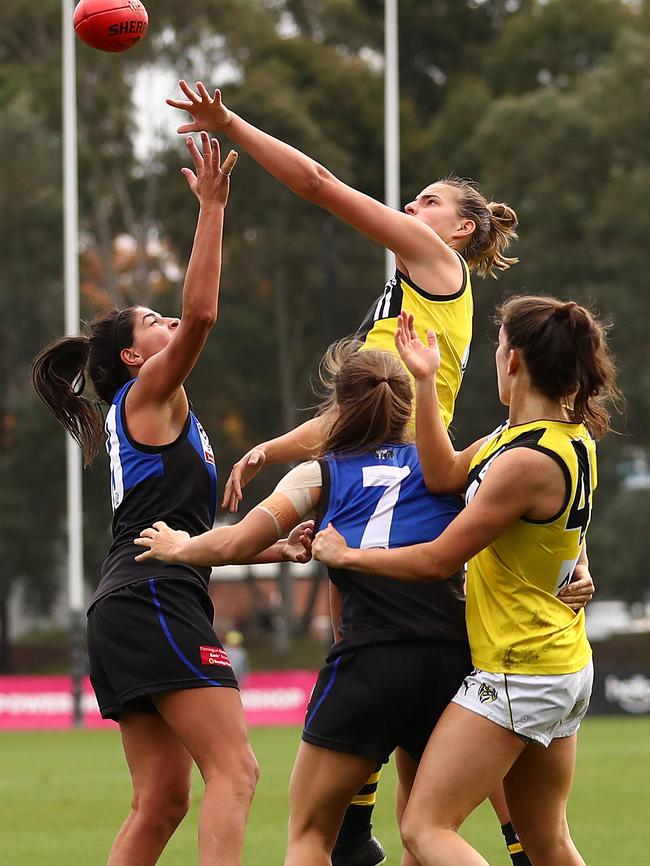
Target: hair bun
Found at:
x=502, y=213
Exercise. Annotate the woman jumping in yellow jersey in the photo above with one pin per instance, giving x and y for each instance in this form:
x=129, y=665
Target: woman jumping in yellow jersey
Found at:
x=446, y=231
x=529, y=489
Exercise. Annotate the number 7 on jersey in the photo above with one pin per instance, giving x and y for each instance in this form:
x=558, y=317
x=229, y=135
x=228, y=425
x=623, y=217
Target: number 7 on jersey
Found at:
x=377, y=531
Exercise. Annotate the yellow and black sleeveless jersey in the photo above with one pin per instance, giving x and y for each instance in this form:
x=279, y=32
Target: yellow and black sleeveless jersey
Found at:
x=450, y=316
x=515, y=621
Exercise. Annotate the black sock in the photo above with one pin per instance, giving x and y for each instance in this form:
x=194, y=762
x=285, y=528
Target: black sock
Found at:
x=356, y=827
x=517, y=853
x=357, y=822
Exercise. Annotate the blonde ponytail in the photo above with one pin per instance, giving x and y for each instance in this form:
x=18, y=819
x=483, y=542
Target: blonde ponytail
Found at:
x=491, y=258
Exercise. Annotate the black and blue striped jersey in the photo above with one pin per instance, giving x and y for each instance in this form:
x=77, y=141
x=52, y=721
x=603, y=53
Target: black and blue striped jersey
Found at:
x=379, y=499
x=176, y=483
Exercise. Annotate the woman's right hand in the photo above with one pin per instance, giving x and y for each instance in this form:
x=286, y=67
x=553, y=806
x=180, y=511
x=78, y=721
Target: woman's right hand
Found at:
x=298, y=544
x=240, y=474
x=162, y=542
x=422, y=362
x=211, y=182
x=208, y=112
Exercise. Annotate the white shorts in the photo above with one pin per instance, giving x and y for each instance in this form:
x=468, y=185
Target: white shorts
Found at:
x=538, y=708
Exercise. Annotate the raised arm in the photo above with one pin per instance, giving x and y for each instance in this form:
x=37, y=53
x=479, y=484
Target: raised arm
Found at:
x=162, y=375
x=415, y=243
x=443, y=468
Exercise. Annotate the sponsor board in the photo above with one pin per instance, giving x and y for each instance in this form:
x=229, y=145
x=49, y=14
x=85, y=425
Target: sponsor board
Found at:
x=620, y=691
x=46, y=703
x=270, y=698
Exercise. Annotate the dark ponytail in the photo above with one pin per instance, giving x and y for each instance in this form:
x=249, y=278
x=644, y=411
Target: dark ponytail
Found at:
x=59, y=380
x=59, y=376
x=565, y=351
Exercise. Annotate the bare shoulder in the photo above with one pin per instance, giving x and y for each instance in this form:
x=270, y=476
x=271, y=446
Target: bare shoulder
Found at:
x=152, y=421
x=527, y=467
x=530, y=481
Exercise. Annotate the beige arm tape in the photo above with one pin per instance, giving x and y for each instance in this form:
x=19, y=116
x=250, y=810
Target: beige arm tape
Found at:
x=291, y=502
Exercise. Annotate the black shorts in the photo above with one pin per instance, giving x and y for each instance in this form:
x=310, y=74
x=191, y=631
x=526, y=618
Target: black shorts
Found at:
x=371, y=700
x=153, y=636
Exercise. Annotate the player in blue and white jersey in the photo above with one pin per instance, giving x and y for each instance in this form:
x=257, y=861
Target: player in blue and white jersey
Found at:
x=156, y=664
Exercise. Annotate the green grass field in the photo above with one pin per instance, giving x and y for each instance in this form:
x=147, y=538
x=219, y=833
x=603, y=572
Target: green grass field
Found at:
x=64, y=794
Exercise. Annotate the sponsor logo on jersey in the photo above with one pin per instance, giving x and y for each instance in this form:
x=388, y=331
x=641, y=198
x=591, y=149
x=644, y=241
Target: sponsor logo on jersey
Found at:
x=487, y=694
x=384, y=454
x=208, y=453
x=214, y=655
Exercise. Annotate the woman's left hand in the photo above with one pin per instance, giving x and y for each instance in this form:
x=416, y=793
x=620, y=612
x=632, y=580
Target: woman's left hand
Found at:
x=298, y=545
x=329, y=547
x=162, y=542
x=421, y=361
x=580, y=591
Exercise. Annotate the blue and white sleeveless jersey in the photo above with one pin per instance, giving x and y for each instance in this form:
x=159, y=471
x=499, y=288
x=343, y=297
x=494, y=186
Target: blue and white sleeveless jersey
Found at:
x=176, y=483
x=379, y=499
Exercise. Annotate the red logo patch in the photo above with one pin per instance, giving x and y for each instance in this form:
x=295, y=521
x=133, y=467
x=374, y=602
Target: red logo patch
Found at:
x=214, y=655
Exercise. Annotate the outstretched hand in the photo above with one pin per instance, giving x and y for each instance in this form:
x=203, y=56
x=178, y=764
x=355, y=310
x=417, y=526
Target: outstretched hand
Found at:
x=420, y=360
x=162, y=542
x=210, y=180
x=240, y=474
x=209, y=114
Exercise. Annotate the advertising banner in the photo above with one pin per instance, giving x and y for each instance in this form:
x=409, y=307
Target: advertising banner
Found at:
x=271, y=698
x=620, y=690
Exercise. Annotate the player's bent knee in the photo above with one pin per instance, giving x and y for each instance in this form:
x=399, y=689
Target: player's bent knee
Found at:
x=234, y=764
x=251, y=772
x=174, y=811
x=409, y=829
x=244, y=773
x=162, y=813
x=419, y=831
x=546, y=849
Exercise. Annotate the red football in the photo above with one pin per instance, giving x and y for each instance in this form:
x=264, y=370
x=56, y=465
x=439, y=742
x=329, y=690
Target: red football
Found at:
x=110, y=25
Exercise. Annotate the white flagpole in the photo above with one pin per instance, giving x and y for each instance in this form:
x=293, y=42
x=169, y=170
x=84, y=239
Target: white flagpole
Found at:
x=71, y=303
x=391, y=117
